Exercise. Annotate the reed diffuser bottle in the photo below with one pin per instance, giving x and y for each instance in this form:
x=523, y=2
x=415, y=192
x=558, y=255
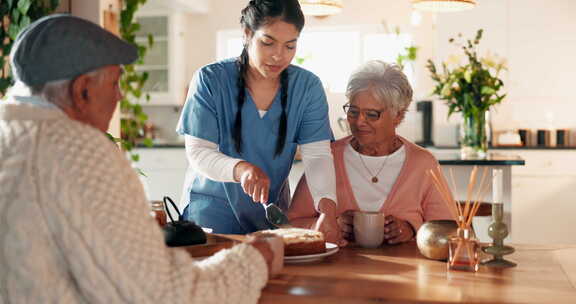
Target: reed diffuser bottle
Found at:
x=463, y=247
x=463, y=251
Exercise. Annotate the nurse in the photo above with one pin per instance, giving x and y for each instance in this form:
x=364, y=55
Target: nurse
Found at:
x=243, y=120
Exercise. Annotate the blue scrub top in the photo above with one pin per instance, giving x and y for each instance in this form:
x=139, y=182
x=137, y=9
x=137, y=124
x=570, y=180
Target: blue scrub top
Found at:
x=209, y=114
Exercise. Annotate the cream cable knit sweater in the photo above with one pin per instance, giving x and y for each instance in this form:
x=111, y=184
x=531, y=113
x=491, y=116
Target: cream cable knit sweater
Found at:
x=75, y=226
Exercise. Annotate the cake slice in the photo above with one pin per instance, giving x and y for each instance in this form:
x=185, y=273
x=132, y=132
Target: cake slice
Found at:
x=299, y=241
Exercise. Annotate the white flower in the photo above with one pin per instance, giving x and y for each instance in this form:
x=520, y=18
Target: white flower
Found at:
x=454, y=60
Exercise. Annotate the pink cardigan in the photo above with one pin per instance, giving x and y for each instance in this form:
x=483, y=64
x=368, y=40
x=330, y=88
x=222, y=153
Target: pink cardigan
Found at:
x=413, y=197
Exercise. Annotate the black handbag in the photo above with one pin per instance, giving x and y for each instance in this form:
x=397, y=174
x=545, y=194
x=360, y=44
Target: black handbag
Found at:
x=181, y=232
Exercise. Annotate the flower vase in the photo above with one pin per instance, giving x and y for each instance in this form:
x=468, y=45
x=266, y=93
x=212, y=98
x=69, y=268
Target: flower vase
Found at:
x=474, y=134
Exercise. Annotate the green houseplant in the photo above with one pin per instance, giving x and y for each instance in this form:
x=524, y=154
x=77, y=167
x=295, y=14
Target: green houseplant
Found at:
x=470, y=89
x=133, y=119
x=14, y=16
x=17, y=14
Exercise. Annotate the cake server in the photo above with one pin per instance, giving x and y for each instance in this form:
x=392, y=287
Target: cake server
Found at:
x=275, y=216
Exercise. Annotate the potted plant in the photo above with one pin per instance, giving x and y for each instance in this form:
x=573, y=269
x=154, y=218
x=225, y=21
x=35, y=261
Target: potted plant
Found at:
x=14, y=16
x=471, y=89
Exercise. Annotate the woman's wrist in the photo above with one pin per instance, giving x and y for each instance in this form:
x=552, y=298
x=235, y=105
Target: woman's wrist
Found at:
x=238, y=170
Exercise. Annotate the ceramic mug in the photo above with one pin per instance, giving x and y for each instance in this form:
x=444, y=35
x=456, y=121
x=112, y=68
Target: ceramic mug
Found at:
x=369, y=228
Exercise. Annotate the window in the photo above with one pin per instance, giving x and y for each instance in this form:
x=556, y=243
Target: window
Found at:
x=387, y=47
x=333, y=53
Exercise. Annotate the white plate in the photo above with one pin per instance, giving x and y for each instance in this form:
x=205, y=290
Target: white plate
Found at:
x=330, y=250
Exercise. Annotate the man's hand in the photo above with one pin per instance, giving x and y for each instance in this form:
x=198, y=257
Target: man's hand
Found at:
x=272, y=249
x=254, y=181
x=327, y=224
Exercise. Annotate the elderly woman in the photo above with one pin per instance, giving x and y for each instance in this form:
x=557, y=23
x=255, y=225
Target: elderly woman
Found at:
x=376, y=169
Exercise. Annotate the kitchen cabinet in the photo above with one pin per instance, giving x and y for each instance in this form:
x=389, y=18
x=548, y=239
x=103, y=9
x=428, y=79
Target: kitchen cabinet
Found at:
x=544, y=194
x=163, y=61
x=164, y=170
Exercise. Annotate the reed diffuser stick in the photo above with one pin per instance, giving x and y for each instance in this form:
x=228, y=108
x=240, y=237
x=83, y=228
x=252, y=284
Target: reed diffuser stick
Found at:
x=446, y=196
x=454, y=187
x=469, y=190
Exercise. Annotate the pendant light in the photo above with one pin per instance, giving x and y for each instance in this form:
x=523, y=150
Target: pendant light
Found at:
x=443, y=5
x=321, y=7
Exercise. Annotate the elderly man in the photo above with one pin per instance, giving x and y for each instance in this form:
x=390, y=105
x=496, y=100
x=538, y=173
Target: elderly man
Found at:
x=74, y=221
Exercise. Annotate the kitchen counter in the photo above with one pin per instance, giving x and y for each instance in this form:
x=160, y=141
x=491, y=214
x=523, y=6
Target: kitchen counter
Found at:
x=161, y=146
x=493, y=159
x=507, y=148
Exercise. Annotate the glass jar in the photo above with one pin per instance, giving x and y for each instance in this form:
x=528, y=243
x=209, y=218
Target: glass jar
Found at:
x=463, y=251
x=157, y=212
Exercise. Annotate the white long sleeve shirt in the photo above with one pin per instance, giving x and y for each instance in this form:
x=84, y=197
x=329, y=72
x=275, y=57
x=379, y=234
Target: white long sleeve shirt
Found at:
x=204, y=157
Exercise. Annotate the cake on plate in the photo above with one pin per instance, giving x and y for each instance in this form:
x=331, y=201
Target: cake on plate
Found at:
x=299, y=241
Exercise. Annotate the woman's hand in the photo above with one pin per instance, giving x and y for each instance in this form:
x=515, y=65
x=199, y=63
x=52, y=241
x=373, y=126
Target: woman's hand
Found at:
x=254, y=181
x=327, y=223
x=397, y=230
x=346, y=223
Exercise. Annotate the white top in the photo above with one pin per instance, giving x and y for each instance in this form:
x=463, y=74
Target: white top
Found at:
x=371, y=196
x=75, y=225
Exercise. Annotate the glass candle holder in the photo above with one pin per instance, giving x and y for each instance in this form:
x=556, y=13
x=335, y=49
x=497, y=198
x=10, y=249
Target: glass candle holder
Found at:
x=463, y=251
x=157, y=212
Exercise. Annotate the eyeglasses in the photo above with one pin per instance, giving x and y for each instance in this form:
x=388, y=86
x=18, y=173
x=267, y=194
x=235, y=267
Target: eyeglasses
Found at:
x=354, y=112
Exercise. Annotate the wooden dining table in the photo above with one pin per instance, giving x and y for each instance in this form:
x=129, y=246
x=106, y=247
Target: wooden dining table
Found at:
x=400, y=274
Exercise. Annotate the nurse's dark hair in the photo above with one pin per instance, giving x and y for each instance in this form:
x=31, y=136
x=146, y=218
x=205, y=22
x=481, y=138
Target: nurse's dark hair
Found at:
x=255, y=15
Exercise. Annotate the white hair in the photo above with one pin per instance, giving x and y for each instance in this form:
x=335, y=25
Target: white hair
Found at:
x=386, y=82
x=57, y=92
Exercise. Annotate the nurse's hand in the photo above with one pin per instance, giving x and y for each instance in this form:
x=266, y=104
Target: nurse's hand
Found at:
x=253, y=180
x=327, y=223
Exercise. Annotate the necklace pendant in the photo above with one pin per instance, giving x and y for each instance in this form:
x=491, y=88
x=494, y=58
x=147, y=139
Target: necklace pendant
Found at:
x=374, y=179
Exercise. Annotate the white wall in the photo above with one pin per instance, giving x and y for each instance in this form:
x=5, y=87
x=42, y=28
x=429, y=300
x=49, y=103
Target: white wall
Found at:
x=537, y=37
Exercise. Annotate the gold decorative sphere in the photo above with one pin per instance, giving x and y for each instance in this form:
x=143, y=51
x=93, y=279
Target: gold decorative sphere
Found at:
x=432, y=238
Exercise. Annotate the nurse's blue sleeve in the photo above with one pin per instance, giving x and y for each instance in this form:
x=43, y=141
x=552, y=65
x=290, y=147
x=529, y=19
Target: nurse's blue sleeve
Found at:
x=315, y=124
x=199, y=116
